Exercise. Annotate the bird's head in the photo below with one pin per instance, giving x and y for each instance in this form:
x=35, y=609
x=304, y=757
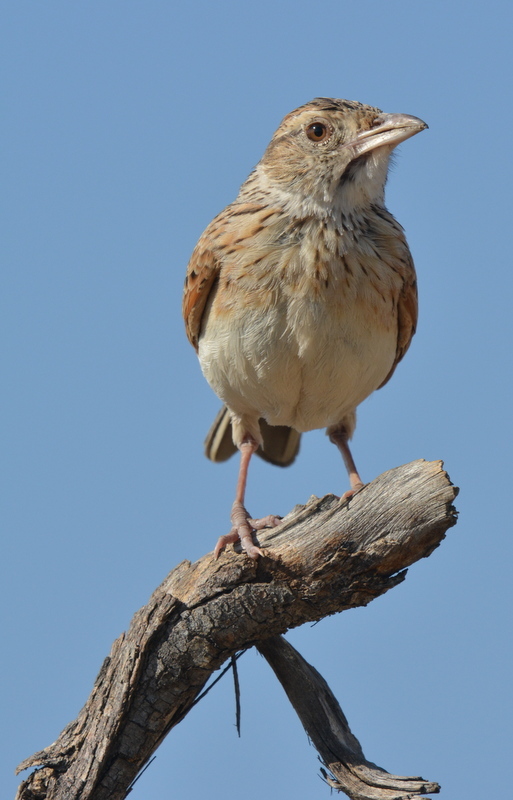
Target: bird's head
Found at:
x=334, y=153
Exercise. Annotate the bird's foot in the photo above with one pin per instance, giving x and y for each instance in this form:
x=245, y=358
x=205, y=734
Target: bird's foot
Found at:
x=352, y=491
x=242, y=531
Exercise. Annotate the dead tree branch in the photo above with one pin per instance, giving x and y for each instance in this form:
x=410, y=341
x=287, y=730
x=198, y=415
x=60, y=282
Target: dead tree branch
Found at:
x=329, y=732
x=324, y=557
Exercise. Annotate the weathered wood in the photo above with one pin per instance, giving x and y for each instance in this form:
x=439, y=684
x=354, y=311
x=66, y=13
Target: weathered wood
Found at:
x=329, y=732
x=324, y=557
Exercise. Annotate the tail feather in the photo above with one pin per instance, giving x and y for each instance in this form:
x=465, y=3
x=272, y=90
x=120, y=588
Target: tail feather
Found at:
x=281, y=444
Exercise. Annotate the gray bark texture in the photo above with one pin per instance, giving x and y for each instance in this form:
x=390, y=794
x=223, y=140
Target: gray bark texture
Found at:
x=324, y=557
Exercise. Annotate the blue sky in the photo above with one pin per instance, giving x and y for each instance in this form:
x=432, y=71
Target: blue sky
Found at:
x=127, y=126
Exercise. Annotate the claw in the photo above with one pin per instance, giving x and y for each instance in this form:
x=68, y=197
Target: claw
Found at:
x=229, y=538
x=243, y=526
x=271, y=521
x=243, y=529
x=351, y=492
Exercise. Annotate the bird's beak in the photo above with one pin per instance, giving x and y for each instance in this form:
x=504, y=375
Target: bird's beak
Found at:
x=389, y=130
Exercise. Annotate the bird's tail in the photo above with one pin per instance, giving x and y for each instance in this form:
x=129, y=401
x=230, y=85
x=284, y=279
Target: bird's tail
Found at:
x=281, y=444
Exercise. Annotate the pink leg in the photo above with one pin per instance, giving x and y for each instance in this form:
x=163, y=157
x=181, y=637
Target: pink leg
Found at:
x=339, y=437
x=243, y=525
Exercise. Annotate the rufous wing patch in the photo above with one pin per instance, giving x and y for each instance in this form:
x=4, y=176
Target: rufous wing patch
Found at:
x=202, y=272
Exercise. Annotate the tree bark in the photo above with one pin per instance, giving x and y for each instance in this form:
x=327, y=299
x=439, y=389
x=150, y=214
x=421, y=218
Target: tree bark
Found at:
x=324, y=557
x=328, y=729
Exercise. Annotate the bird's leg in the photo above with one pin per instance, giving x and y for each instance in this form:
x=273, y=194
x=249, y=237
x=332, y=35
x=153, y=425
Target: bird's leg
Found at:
x=242, y=524
x=340, y=438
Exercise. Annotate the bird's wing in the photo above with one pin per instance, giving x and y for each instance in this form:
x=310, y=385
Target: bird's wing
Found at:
x=407, y=308
x=226, y=236
x=202, y=273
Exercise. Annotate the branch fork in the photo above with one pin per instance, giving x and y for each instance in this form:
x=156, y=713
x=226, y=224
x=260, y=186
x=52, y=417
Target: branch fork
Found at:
x=323, y=558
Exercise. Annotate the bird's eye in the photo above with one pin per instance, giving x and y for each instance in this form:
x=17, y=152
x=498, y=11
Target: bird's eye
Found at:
x=318, y=132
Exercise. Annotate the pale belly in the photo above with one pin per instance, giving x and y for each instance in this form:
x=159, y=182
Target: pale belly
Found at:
x=306, y=367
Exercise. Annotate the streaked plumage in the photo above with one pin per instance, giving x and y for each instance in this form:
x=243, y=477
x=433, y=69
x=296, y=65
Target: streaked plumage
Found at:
x=300, y=297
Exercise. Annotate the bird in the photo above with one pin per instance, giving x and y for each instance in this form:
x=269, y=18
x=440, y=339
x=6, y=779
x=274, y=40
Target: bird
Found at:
x=300, y=297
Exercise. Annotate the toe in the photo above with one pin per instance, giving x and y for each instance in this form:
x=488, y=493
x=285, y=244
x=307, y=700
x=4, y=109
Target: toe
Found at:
x=229, y=538
x=351, y=492
x=249, y=548
x=242, y=530
x=265, y=522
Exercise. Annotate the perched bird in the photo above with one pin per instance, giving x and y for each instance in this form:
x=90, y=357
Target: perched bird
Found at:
x=300, y=297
